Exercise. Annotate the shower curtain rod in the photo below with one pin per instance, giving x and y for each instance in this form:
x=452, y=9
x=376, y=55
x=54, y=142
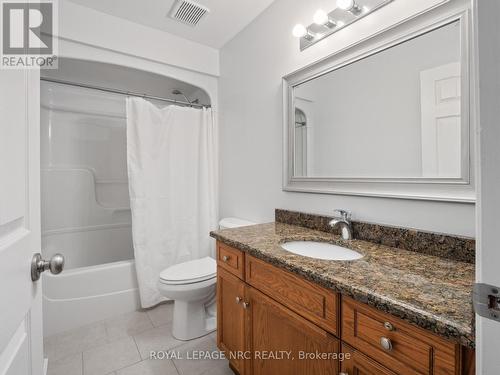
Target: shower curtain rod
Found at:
x=123, y=92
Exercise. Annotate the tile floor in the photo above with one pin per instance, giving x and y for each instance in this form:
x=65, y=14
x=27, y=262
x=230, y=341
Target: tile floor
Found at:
x=122, y=346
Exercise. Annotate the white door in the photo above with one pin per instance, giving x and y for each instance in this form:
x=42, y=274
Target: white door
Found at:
x=21, y=345
x=441, y=126
x=488, y=207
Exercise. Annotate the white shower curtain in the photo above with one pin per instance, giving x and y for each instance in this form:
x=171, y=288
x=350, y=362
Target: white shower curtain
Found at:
x=172, y=171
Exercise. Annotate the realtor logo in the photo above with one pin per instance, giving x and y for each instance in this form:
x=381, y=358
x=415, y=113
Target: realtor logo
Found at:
x=28, y=31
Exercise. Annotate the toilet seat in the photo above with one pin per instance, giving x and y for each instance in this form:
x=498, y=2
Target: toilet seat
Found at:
x=193, y=271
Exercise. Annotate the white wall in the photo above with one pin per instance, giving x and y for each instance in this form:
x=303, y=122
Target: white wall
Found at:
x=252, y=65
x=88, y=26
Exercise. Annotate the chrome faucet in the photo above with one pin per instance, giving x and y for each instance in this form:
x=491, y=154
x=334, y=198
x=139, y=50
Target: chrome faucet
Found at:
x=344, y=221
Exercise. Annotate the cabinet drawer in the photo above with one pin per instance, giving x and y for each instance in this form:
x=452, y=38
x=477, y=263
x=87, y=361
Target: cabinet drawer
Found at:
x=399, y=345
x=231, y=259
x=317, y=304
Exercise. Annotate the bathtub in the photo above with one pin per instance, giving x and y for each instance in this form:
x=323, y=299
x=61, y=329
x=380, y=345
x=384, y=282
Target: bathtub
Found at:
x=85, y=295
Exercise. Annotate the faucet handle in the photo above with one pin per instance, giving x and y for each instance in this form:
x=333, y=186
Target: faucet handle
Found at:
x=344, y=214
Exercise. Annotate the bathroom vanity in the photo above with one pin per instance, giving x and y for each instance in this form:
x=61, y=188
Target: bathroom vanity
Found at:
x=393, y=311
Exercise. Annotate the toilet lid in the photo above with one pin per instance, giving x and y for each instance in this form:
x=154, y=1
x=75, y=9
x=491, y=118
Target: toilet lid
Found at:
x=190, y=272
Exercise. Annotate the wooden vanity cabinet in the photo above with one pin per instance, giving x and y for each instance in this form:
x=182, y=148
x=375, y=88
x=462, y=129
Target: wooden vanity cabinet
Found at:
x=263, y=310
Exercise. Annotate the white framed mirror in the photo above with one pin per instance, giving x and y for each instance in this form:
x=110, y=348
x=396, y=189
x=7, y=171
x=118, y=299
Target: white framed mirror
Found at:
x=386, y=117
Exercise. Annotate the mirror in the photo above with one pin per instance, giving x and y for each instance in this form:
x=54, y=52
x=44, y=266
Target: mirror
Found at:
x=397, y=114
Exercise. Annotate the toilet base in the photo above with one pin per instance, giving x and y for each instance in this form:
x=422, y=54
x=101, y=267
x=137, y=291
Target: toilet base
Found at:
x=193, y=319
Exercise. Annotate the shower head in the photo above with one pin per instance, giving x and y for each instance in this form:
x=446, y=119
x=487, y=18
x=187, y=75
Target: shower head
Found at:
x=179, y=92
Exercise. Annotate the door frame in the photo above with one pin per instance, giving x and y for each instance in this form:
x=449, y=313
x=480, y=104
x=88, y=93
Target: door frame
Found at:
x=487, y=113
x=33, y=115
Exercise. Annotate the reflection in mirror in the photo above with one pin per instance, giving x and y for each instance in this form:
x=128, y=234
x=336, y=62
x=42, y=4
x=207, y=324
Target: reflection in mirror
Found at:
x=394, y=114
x=300, y=143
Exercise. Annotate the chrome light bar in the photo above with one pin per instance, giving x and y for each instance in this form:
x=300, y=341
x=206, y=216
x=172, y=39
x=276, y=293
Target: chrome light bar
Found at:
x=346, y=13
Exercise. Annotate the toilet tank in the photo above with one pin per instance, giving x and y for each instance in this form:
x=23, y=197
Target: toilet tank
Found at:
x=234, y=222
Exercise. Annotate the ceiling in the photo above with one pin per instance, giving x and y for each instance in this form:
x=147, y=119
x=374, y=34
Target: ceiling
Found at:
x=226, y=18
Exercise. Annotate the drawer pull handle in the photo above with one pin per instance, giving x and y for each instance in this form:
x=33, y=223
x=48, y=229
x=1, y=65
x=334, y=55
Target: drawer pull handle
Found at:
x=388, y=326
x=238, y=299
x=386, y=343
x=225, y=258
x=343, y=373
x=246, y=305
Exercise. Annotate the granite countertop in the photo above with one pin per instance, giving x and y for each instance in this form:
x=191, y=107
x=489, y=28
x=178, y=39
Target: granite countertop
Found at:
x=431, y=292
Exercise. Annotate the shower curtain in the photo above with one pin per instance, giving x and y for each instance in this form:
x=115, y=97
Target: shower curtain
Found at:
x=172, y=171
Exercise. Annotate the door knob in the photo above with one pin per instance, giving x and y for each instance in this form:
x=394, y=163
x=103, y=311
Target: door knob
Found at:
x=39, y=265
x=246, y=305
x=225, y=258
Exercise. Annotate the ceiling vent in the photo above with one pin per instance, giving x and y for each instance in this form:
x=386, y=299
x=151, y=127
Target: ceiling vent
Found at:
x=188, y=12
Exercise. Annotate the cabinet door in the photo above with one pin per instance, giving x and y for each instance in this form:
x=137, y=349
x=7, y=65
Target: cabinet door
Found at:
x=356, y=363
x=231, y=318
x=278, y=339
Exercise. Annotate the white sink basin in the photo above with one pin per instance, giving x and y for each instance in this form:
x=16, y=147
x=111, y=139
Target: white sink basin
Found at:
x=321, y=250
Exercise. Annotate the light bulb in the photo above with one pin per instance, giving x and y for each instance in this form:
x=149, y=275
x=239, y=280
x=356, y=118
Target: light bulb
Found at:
x=299, y=31
x=320, y=17
x=345, y=4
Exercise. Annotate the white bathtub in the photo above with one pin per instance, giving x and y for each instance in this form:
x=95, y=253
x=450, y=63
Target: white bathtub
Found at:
x=84, y=295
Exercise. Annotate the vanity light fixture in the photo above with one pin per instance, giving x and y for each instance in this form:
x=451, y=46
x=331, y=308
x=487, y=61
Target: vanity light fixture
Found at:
x=325, y=24
x=322, y=18
x=350, y=6
x=300, y=31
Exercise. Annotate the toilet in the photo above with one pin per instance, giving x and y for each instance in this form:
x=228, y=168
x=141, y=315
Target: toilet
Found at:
x=192, y=286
